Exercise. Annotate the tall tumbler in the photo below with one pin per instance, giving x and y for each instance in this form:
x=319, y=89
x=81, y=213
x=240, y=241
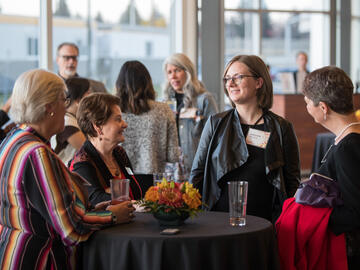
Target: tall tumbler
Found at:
x=237, y=202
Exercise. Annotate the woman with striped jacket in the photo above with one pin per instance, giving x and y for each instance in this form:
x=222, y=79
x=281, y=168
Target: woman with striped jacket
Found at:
x=44, y=207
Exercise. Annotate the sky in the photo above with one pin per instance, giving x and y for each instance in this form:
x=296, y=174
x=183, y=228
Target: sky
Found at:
x=111, y=10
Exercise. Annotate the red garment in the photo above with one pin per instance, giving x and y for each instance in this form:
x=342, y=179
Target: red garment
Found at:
x=306, y=242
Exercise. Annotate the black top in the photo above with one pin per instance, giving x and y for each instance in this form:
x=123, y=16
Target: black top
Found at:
x=260, y=191
x=179, y=105
x=3, y=119
x=342, y=164
x=88, y=163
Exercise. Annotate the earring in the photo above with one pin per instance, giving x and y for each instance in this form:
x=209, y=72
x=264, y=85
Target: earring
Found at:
x=52, y=114
x=100, y=138
x=324, y=116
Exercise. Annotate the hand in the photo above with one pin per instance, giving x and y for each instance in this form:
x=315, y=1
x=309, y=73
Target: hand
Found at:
x=124, y=211
x=102, y=205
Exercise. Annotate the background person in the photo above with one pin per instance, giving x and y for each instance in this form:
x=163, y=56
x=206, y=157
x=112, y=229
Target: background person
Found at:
x=301, y=72
x=194, y=103
x=151, y=137
x=101, y=158
x=328, y=95
x=45, y=209
x=70, y=140
x=67, y=59
x=229, y=149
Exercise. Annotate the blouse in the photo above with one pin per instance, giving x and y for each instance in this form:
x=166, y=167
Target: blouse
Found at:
x=44, y=208
x=88, y=163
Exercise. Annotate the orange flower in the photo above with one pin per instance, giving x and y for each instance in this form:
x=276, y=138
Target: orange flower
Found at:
x=192, y=201
x=171, y=197
x=152, y=194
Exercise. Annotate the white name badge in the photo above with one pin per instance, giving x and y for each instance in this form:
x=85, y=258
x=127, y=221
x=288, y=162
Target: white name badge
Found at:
x=257, y=138
x=129, y=171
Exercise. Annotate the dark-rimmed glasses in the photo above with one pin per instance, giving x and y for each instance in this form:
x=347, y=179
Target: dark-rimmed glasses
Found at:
x=236, y=79
x=68, y=57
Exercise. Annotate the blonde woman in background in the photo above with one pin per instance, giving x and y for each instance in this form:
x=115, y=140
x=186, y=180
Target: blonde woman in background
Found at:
x=194, y=103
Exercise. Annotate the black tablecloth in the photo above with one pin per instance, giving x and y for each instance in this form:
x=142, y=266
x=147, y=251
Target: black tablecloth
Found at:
x=204, y=242
x=322, y=144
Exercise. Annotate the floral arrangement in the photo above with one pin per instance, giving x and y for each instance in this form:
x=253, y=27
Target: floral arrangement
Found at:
x=172, y=197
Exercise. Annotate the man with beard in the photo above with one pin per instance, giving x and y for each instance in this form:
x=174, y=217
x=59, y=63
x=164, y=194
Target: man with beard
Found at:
x=67, y=61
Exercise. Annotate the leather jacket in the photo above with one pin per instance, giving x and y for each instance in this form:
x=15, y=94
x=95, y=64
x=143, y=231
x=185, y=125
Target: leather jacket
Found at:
x=222, y=148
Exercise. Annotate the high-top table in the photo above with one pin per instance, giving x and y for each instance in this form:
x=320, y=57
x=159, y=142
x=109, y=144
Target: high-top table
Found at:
x=204, y=242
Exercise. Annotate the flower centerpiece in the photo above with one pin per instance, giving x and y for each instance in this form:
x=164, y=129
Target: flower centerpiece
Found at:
x=171, y=203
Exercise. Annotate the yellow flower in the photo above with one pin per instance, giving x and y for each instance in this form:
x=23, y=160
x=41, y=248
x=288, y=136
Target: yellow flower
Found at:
x=152, y=194
x=192, y=201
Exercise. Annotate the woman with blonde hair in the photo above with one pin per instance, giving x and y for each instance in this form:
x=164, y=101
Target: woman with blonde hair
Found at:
x=45, y=208
x=194, y=103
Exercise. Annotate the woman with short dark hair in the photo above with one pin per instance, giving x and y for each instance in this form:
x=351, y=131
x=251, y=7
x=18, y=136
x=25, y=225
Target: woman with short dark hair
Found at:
x=248, y=143
x=101, y=158
x=329, y=100
x=151, y=138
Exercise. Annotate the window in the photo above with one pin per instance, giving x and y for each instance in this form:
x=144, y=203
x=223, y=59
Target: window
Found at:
x=110, y=32
x=277, y=34
x=32, y=48
x=18, y=51
x=355, y=44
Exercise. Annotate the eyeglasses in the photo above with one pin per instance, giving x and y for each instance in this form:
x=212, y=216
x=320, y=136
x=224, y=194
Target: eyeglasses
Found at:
x=236, y=79
x=68, y=57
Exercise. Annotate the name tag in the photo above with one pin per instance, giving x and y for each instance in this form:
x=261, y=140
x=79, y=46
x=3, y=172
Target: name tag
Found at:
x=129, y=171
x=257, y=138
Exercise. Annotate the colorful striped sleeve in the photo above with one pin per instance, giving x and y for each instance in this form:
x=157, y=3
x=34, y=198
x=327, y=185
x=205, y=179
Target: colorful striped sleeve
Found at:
x=59, y=197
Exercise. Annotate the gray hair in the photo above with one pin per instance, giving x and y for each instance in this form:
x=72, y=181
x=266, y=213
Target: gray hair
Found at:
x=67, y=44
x=192, y=87
x=33, y=90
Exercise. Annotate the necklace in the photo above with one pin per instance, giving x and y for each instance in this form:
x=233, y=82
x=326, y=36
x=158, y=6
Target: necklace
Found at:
x=114, y=167
x=344, y=129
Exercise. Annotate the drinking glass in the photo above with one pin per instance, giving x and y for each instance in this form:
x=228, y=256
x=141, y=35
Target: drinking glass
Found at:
x=119, y=190
x=237, y=202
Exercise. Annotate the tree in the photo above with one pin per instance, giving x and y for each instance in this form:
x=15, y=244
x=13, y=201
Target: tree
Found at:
x=62, y=9
x=130, y=15
x=157, y=19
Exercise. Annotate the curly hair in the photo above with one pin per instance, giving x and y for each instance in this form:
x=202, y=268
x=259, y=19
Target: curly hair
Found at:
x=95, y=109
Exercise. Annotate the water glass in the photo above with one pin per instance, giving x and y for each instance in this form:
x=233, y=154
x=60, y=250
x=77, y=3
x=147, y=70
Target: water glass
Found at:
x=237, y=202
x=119, y=190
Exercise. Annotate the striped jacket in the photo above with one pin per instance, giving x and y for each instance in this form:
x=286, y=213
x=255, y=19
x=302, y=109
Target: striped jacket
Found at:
x=44, y=209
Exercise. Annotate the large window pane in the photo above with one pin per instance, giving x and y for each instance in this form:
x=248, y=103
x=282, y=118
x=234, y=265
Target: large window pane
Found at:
x=355, y=8
x=18, y=50
x=241, y=3
x=317, y=5
x=241, y=33
x=285, y=34
x=115, y=32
